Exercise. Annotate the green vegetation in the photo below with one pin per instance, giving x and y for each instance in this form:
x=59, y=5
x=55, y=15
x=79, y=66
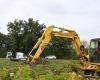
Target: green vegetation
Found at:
x=51, y=70
x=4, y=42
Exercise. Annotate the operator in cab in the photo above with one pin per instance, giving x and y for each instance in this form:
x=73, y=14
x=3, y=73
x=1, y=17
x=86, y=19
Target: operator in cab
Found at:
x=95, y=51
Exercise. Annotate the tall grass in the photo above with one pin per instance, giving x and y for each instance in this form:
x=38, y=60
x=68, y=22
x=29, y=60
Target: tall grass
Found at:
x=51, y=70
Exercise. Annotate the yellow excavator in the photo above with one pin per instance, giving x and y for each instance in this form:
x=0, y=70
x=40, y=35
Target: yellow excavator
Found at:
x=90, y=68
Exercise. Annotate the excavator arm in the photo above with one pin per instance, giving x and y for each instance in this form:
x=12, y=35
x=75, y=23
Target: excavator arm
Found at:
x=46, y=38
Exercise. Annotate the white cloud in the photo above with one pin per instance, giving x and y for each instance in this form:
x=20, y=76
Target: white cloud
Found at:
x=82, y=15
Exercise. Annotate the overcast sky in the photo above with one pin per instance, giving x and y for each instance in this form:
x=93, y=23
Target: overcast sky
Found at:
x=81, y=15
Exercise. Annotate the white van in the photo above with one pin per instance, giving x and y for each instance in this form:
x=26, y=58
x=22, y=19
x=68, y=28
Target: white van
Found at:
x=50, y=57
x=16, y=57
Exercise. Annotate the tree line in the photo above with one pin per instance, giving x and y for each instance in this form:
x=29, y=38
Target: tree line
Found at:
x=23, y=35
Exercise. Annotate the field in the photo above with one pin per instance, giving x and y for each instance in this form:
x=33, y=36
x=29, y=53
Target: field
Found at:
x=50, y=70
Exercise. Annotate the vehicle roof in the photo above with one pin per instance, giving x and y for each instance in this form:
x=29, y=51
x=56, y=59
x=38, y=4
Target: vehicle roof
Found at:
x=95, y=39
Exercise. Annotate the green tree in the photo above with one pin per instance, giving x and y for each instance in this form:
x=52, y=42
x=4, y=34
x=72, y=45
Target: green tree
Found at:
x=24, y=34
x=4, y=44
x=62, y=48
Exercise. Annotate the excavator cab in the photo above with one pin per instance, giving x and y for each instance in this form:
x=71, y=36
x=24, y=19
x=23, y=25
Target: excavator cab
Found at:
x=95, y=50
